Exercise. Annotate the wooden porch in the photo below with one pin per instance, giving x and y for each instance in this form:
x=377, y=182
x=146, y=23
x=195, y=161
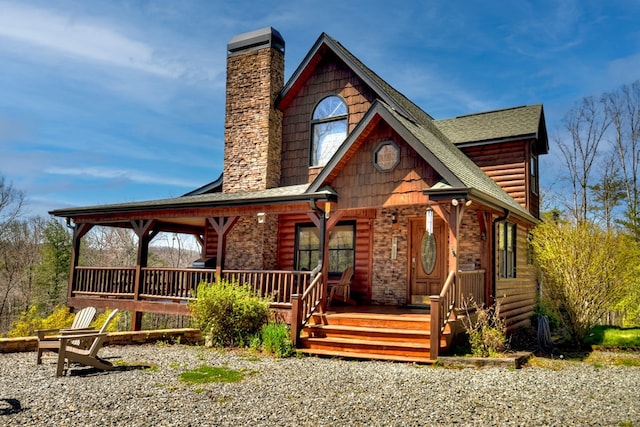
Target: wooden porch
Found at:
x=416, y=334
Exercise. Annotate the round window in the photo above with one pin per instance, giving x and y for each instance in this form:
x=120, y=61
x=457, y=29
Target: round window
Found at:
x=428, y=252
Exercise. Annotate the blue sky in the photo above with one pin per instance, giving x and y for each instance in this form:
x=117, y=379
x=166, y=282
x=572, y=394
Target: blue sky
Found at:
x=114, y=101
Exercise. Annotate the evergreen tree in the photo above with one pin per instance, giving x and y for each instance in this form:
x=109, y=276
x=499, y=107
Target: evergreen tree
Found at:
x=53, y=272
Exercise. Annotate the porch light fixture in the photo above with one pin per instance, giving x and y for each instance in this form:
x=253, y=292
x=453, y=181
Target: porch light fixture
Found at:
x=261, y=216
x=327, y=209
x=429, y=220
x=456, y=202
x=394, y=217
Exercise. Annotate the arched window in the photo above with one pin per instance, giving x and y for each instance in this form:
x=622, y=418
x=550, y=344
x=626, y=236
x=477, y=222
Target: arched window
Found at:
x=328, y=129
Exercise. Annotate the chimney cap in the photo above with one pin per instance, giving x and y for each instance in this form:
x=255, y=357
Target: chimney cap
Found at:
x=257, y=39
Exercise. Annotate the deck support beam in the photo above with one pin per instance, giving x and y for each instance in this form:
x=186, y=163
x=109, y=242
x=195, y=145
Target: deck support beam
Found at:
x=79, y=230
x=221, y=225
x=144, y=231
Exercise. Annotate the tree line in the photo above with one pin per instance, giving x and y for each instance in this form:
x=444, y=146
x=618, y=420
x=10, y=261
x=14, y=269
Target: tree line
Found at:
x=588, y=247
x=600, y=145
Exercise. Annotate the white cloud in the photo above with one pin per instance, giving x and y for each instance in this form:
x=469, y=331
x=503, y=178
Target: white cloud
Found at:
x=80, y=38
x=120, y=174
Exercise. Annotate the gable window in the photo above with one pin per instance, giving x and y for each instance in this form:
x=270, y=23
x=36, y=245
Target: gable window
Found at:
x=506, y=249
x=341, y=247
x=328, y=129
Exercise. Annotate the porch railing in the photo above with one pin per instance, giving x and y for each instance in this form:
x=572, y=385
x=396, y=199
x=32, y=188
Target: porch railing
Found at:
x=303, y=306
x=279, y=285
x=470, y=288
x=173, y=284
x=180, y=284
x=441, y=308
x=105, y=281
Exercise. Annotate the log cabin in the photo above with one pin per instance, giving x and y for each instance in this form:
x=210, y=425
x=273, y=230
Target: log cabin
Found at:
x=337, y=171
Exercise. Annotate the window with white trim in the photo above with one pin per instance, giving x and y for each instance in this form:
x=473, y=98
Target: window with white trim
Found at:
x=328, y=129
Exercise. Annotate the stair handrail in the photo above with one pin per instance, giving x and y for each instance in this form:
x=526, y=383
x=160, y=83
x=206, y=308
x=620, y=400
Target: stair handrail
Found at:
x=441, y=307
x=304, y=306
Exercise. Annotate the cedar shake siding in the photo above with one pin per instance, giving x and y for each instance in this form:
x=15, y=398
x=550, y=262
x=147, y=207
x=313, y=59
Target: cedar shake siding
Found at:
x=330, y=77
x=361, y=185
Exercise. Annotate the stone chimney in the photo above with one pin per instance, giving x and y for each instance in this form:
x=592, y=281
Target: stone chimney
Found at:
x=253, y=126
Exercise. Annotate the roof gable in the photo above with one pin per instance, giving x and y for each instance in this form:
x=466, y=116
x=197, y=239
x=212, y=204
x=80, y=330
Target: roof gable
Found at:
x=459, y=173
x=382, y=89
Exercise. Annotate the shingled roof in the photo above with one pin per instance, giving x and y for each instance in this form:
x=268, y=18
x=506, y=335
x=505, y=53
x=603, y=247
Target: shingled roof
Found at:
x=290, y=194
x=499, y=125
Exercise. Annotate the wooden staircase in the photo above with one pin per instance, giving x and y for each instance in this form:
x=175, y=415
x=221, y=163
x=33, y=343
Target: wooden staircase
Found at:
x=384, y=335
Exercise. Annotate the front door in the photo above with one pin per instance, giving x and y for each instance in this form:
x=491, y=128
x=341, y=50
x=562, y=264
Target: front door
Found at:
x=427, y=260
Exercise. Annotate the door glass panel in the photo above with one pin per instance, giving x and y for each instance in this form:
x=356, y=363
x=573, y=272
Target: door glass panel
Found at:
x=428, y=252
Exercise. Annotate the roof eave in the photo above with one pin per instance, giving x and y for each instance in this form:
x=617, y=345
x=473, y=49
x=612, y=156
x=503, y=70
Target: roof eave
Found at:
x=188, y=203
x=466, y=144
x=476, y=195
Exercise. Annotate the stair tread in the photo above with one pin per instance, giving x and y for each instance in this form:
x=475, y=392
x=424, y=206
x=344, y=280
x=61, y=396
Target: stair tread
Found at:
x=410, y=317
x=363, y=342
x=390, y=331
x=353, y=355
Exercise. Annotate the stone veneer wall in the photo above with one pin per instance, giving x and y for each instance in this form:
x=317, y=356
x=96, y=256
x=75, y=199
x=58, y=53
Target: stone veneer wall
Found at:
x=252, y=246
x=253, y=126
x=389, y=278
x=469, y=242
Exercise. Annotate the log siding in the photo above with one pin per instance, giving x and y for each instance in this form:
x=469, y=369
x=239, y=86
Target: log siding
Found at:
x=518, y=295
x=507, y=164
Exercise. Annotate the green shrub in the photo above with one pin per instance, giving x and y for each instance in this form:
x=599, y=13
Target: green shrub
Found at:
x=30, y=321
x=486, y=330
x=276, y=340
x=228, y=313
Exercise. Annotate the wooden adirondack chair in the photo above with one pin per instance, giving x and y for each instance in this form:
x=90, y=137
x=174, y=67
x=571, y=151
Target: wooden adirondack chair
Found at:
x=85, y=355
x=48, y=339
x=342, y=289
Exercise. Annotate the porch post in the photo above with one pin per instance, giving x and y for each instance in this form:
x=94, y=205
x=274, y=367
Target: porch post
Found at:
x=486, y=260
x=79, y=230
x=221, y=225
x=319, y=220
x=452, y=217
x=296, y=316
x=434, y=350
x=143, y=229
x=324, y=256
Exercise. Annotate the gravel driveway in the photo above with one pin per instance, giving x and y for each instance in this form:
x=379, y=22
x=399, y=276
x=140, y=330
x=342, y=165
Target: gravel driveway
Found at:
x=310, y=392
